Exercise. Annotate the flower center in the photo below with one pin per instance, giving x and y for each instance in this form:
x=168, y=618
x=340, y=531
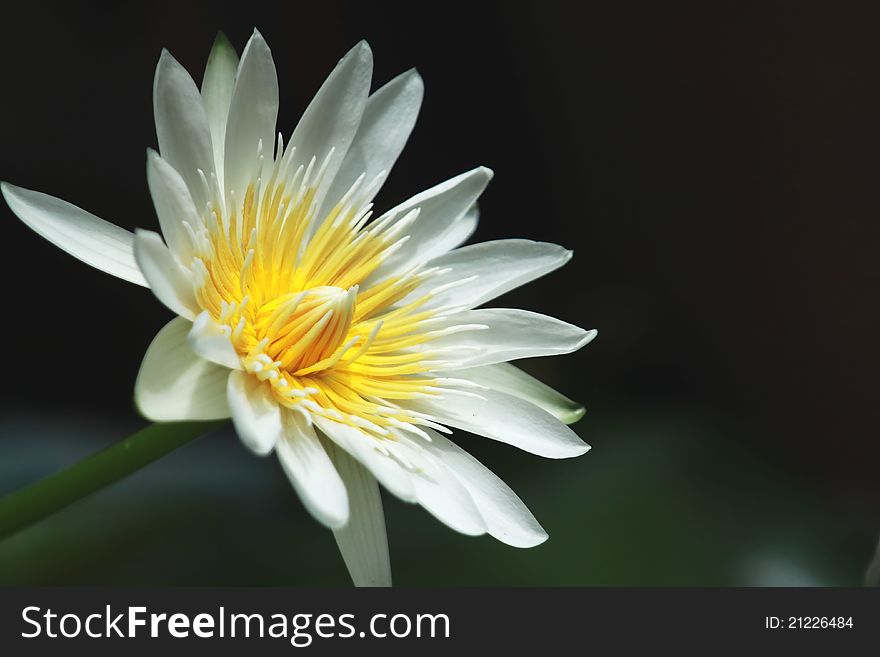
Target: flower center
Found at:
x=303, y=331
x=303, y=300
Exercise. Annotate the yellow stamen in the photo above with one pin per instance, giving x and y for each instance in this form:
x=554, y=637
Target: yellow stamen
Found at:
x=304, y=314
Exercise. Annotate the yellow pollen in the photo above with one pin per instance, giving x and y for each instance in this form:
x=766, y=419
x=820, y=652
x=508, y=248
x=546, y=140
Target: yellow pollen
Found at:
x=292, y=288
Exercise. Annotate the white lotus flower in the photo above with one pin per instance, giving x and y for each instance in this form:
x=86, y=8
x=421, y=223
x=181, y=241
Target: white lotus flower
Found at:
x=344, y=343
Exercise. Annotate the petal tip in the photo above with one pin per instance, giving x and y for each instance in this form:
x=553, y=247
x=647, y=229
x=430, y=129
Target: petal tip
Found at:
x=12, y=194
x=164, y=67
x=587, y=338
x=258, y=38
x=538, y=537
x=414, y=78
x=572, y=450
x=575, y=415
x=336, y=522
x=7, y=189
x=361, y=52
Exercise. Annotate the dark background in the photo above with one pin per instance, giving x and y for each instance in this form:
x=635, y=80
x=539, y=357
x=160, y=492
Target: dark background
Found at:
x=713, y=165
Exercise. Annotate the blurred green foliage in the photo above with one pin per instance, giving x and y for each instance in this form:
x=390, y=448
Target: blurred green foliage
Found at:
x=662, y=499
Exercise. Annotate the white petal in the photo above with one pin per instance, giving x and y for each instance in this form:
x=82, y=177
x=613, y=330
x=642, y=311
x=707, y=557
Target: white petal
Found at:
x=182, y=125
x=332, y=118
x=505, y=334
x=174, y=384
x=252, y=115
x=174, y=205
x=508, y=378
x=506, y=419
x=211, y=341
x=311, y=472
x=440, y=492
x=255, y=413
x=480, y=272
x=388, y=119
x=217, y=86
x=363, y=541
x=168, y=280
x=363, y=447
x=446, y=218
x=424, y=480
x=83, y=235
x=506, y=517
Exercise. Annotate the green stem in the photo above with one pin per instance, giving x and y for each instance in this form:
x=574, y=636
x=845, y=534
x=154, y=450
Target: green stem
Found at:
x=26, y=506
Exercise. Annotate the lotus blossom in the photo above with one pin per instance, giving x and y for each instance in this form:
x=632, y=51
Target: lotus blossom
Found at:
x=346, y=343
